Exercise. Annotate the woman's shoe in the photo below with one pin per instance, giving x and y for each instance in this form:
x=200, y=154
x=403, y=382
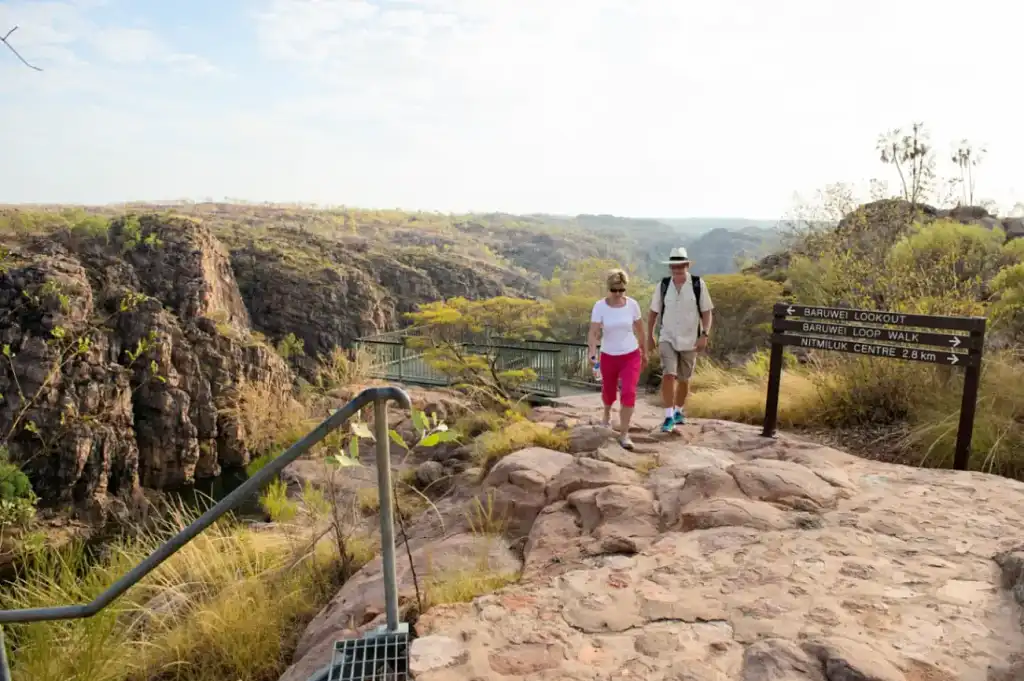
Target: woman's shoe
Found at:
x=669, y=425
x=626, y=443
x=679, y=418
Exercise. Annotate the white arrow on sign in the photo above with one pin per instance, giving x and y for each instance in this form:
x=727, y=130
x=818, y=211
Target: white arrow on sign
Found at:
x=953, y=359
x=790, y=310
x=955, y=340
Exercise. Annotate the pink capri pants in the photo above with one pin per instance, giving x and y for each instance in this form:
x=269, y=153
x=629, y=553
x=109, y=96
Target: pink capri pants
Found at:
x=620, y=367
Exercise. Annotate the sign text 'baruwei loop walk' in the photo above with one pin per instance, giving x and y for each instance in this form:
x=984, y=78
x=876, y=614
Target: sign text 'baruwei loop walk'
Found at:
x=916, y=338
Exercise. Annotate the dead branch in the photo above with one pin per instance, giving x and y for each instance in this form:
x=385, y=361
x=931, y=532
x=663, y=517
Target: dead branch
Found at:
x=16, y=53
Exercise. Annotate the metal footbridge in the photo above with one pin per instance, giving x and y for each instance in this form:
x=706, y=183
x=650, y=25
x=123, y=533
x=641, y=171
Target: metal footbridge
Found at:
x=561, y=368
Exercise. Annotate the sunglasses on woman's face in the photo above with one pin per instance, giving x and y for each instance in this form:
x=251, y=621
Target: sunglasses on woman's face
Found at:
x=617, y=290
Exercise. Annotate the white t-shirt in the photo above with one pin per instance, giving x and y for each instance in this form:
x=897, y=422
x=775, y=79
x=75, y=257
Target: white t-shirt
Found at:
x=679, y=326
x=617, y=337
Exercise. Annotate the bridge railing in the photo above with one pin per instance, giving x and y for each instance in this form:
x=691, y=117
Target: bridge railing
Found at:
x=379, y=397
x=557, y=364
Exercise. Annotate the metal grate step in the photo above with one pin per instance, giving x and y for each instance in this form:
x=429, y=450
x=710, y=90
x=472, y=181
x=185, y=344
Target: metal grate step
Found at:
x=380, y=655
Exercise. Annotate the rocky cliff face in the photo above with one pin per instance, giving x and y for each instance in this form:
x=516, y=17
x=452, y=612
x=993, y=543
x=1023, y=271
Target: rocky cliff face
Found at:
x=117, y=365
x=329, y=293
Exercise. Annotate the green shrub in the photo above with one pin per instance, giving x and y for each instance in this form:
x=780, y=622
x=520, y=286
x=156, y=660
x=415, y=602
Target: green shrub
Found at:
x=17, y=499
x=291, y=346
x=1007, y=312
x=863, y=390
x=743, y=313
x=91, y=226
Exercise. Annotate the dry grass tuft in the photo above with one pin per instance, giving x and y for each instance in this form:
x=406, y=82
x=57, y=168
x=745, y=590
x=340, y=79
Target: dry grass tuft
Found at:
x=227, y=605
x=272, y=421
x=483, y=518
x=491, y=446
x=735, y=396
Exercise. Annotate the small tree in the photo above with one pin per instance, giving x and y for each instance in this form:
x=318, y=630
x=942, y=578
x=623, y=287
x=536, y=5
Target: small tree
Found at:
x=967, y=157
x=818, y=214
x=461, y=338
x=911, y=155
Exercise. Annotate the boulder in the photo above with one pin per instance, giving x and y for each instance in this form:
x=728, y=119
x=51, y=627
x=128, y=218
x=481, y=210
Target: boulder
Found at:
x=516, y=486
x=587, y=473
x=588, y=438
x=784, y=482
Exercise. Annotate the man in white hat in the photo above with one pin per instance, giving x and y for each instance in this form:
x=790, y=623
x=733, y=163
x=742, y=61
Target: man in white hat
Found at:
x=684, y=305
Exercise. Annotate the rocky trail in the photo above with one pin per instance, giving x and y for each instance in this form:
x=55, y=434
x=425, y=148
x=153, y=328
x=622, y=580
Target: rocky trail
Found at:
x=714, y=554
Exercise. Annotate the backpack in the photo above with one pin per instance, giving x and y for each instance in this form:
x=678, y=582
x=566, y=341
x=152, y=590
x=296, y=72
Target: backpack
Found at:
x=695, y=280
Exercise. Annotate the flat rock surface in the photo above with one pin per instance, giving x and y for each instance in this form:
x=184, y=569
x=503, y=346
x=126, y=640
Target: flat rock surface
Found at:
x=732, y=556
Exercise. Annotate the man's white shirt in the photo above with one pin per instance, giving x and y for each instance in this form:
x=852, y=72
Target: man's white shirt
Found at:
x=680, y=322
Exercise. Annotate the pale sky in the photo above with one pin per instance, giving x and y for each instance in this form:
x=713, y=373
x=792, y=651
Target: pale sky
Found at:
x=632, y=107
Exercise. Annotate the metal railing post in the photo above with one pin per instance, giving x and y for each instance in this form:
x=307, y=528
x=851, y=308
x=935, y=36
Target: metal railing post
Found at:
x=5, y=669
x=558, y=374
x=387, y=521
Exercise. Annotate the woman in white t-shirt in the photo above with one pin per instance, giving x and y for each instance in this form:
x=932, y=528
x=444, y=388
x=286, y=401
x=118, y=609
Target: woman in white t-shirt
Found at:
x=616, y=320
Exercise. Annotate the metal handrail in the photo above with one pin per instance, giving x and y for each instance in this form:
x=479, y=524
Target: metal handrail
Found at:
x=378, y=396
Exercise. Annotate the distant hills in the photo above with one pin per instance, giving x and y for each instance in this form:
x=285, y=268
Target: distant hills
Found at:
x=716, y=245
x=698, y=226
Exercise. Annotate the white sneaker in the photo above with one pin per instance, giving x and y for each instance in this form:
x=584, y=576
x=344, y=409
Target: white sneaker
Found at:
x=626, y=442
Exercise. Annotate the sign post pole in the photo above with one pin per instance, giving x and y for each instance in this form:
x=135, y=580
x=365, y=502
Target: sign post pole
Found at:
x=968, y=405
x=874, y=333
x=771, y=403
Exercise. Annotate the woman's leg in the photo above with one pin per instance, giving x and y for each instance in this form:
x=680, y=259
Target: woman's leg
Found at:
x=609, y=381
x=630, y=373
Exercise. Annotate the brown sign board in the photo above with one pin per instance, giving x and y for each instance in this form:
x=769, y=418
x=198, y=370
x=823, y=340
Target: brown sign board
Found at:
x=885, y=335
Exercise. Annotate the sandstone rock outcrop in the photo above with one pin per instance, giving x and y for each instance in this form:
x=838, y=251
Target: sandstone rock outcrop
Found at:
x=729, y=556
x=885, y=221
x=126, y=347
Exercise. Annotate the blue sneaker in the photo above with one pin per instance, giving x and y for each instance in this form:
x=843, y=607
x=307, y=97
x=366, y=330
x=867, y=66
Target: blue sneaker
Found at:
x=669, y=425
x=679, y=418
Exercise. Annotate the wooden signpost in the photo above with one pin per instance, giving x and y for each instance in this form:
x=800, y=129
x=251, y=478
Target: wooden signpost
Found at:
x=892, y=335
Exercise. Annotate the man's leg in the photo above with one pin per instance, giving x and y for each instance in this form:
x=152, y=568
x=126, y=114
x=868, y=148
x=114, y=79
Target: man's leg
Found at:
x=687, y=363
x=669, y=369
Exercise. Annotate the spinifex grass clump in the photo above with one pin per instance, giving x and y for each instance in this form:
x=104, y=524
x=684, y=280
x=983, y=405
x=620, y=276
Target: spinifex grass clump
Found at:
x=226, y=606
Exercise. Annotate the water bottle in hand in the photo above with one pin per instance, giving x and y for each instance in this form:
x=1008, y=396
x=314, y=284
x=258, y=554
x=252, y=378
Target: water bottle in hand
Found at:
x=597, y=369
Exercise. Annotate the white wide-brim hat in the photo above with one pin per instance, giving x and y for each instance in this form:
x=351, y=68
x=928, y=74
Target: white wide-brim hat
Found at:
x=677, y=256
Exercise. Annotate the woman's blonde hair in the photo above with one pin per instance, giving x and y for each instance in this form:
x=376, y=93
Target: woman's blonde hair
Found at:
x=618, y=277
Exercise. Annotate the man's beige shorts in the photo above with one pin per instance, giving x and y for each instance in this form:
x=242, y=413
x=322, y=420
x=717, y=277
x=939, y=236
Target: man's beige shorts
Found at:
x=674, y=363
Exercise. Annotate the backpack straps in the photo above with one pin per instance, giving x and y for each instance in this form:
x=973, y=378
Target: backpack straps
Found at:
x=664, y=292
x=696, y=296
